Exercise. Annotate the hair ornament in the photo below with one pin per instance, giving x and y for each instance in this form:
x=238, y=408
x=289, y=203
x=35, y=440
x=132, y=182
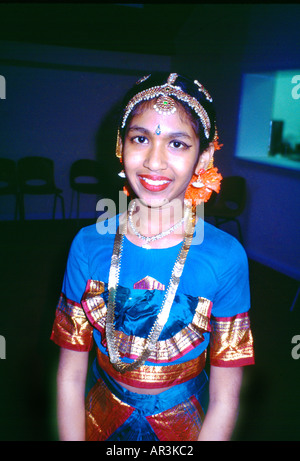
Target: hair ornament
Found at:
x=172, y=78
x=142, y=79
x=217, y=145
x=203, y=90
x=165, y=104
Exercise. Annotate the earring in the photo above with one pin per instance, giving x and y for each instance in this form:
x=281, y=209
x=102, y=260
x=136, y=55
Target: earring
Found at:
x=198, y=183
x=119, y=146
x=122, y=174
x=126, y=191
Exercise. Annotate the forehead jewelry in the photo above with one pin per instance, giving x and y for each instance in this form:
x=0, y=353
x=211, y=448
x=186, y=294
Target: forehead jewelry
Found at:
x=158, y=130
x=165, y=103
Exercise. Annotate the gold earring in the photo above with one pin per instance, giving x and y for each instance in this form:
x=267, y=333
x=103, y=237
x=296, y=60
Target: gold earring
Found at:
x=211, y=164
x=198, y=183
x=119, y=145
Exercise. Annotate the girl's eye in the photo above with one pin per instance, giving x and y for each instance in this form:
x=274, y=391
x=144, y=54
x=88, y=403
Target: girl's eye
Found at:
x=140, y=139
x=178, y=145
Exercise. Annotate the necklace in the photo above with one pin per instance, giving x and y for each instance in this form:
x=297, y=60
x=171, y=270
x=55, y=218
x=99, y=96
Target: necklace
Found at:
x=147, y=240
x=165, y=308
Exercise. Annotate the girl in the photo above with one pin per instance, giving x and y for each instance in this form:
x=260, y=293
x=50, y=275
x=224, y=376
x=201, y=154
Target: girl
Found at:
x=153, y=296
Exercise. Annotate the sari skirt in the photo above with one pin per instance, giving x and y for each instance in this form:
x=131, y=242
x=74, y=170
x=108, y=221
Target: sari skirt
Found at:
x=114, y=413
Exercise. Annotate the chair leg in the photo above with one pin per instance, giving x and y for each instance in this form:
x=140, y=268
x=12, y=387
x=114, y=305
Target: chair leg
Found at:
x=54, y=207
x=17, y=206
x=71, y=208
x=77, y=211
x=21, y=207
x=62, y=206
x=239, y=230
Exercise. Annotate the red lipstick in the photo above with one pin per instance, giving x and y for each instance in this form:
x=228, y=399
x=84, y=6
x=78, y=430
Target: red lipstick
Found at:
x=154, y=183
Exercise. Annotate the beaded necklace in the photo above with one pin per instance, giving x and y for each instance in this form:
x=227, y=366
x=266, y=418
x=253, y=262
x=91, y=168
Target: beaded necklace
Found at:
x=165, y=308
x=153, y=238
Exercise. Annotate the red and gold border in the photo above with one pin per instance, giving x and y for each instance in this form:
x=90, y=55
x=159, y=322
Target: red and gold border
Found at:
x=71, y=328
x=231, y=342
x=105, y=412
x=154, y=376
x=180, y=423
x=131, y=346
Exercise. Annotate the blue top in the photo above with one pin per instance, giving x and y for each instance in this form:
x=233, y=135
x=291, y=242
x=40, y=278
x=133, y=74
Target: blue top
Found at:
x=216, y=269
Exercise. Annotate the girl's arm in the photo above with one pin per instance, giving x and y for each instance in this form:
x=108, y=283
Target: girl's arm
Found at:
x=224, y=392
x=71, y=380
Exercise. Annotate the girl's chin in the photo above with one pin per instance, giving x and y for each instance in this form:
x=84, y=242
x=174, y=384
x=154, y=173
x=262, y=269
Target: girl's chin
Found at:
x=156, y=199
x=153, y=202
x=160, y=202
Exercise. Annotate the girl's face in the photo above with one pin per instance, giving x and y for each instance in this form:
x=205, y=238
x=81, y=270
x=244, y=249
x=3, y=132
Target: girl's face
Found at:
x=160, y=154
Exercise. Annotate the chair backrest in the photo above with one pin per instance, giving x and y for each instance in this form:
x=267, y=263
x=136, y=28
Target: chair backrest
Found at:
x=8, y=176
x=233, y=193
x=35, y=168
x=85, y=168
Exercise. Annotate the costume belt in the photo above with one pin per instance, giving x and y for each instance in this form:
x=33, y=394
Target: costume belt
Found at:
x=154, y=376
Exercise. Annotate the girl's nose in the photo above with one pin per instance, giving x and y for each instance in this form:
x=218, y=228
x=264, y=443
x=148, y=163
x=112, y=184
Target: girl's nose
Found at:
x=156, y=158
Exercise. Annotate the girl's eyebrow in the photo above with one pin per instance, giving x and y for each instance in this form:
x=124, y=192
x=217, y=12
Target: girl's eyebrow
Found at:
x=177, y=134
x=180, y=134
x=138, y=128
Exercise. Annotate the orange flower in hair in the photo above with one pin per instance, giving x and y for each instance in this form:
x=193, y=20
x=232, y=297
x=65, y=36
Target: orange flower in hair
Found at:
x=217, y=146
x=211, y=181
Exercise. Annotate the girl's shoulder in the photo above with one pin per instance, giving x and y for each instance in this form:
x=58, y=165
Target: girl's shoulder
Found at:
x=217, y=245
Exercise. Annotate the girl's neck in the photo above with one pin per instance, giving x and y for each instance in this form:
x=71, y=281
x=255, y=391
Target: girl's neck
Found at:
x=150, y=221
x=154, y=220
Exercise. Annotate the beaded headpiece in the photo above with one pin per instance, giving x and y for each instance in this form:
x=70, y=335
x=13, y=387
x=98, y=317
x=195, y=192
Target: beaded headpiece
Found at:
x=166, y=105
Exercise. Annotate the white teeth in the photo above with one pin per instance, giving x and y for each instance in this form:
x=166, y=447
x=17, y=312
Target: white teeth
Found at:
x=154, y=183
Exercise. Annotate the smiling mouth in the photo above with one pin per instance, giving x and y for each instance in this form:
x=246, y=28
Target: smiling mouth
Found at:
x=154, y=183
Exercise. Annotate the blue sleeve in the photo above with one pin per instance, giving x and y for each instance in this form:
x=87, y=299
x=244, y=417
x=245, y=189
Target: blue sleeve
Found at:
x=233, y=293
x=71, y=328
x=77, y=270
x=231, y=340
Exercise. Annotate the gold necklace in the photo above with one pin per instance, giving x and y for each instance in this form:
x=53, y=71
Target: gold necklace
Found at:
x=153, y=238
x=164, y=311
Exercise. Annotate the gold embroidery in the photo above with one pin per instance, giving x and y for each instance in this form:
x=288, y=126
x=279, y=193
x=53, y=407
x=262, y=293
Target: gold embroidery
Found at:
x=71, y=327
x=231, y=340
x=132, y=346
x=105, y=412
x=180, y=423
x=94, y=304
x=201, y=318
x=153, y=376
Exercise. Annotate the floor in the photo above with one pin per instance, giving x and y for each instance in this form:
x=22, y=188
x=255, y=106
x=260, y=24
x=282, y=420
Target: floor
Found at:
x=33, y=257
